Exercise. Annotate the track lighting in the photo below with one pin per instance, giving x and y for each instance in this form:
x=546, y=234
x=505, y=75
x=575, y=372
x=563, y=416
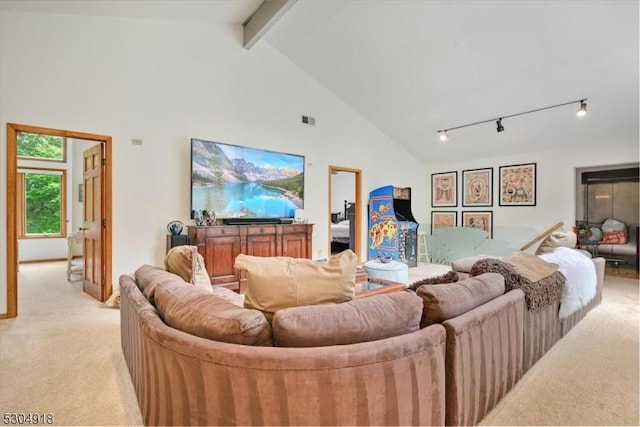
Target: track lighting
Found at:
x=444, y=133
x=583, y=108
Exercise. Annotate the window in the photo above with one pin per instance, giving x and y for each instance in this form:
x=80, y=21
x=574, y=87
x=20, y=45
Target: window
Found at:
x=35, y=146
x=41, y=203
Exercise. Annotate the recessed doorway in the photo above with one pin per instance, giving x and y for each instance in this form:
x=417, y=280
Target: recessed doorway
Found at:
x=98, y=260
x=345, y=209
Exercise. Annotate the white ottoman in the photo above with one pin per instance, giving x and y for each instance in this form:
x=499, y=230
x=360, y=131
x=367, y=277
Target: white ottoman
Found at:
x=394, y=271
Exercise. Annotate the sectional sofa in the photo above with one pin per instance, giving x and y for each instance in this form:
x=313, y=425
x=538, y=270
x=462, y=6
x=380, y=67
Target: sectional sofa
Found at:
x=445, y=354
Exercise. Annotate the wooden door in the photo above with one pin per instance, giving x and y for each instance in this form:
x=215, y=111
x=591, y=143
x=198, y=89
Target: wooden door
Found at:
x=93, y=227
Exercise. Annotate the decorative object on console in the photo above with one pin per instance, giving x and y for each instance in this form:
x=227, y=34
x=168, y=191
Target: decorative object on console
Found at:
x=299, y=216
x=444, y=190
x=477, y=187
x=518, y=185
x=175, y=228
x=198, y=218
x=209, y=217
x=385, y=259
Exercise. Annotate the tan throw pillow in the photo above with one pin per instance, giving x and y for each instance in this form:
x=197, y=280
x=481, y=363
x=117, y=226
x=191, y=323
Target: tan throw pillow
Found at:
x=197, y=312
x=186, y=262
x=361, y=320
x=443, y=302
x=276, y=283
x=568, y=239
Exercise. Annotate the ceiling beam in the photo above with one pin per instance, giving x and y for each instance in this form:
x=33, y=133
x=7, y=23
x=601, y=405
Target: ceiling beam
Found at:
x=262, y=19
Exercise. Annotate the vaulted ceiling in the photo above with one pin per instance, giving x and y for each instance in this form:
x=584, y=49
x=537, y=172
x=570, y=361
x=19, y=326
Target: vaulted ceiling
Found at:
x=413, y=67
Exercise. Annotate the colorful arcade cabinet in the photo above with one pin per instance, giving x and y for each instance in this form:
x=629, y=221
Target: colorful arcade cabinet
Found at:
x=393, y=231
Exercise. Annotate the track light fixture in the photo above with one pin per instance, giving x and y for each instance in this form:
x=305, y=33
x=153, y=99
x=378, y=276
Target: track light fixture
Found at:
x=444, y=133
x=583, y=108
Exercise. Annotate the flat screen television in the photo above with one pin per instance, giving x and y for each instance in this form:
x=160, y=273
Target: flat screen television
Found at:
x=244, y=184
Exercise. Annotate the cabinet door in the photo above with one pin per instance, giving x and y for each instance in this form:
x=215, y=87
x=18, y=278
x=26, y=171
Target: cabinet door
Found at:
x=295, y=245
x=261, y=245
x=221, y=253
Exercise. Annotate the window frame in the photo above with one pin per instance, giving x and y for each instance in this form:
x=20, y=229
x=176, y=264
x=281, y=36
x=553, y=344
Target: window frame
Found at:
x=21, y=222
x=42, y=159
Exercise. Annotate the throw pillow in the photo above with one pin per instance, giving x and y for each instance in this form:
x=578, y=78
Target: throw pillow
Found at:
x=361, y=320
x=448, y=277
x=198, y=312
x=568, y=239
x=186, y=262
x=276, y=283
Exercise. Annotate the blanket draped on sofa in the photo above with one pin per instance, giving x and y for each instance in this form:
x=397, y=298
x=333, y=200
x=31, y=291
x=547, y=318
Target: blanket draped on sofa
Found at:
x=581, y=284
x=518, y=271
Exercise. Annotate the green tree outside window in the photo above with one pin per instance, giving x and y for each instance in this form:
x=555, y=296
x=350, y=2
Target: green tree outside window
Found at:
x=44, y=147
x=43, y=203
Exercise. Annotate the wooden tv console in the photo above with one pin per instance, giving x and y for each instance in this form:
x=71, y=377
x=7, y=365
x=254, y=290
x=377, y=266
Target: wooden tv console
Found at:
x=221, y=244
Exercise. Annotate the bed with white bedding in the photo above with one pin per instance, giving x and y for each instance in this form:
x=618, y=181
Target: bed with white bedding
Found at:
x=340, y=232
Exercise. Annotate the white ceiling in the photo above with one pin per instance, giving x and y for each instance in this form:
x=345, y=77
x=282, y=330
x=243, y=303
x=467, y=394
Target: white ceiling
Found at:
x=413, y=67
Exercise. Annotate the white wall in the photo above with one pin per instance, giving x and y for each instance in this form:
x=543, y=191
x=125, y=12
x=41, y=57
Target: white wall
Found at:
x=556, y=187
x=166, y=82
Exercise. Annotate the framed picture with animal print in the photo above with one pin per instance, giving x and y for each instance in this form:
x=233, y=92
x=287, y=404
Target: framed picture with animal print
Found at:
x=477, y=187
x=480, y=220
x=444, y=190
x=441, y=219
x=518, y=185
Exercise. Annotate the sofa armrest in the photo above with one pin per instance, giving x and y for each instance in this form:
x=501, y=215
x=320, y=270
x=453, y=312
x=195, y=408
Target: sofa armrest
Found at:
x=484, y=357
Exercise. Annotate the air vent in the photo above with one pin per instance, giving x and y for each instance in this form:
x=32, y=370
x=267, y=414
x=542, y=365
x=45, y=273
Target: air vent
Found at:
x=309, y=120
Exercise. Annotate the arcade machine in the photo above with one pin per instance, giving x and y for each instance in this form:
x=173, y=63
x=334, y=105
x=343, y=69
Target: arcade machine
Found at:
x=393, y=231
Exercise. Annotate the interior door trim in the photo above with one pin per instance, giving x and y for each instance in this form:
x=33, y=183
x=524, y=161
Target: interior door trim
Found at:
x=12, y=241
x=358, y=201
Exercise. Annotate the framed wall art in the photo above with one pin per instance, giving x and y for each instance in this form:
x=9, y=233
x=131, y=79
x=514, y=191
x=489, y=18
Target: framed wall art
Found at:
x=444, y=190
x=441, y=219
x=482, y=220
x=518, y=185
x=477, y=187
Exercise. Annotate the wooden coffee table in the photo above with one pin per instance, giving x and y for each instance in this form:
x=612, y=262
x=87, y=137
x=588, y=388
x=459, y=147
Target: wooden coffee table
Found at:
x=373, y=286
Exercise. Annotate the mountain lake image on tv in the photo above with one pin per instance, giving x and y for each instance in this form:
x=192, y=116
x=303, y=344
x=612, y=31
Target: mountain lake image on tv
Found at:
x=245, y=183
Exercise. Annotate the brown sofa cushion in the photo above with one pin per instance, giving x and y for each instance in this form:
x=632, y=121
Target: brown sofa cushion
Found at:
x=442, y=302
x=276, y=283
x=367, y=319
x=149, y=277
x=186, y=262
x=198, y=312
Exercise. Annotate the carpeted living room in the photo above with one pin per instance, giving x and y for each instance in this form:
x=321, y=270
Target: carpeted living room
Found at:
x=283, y=212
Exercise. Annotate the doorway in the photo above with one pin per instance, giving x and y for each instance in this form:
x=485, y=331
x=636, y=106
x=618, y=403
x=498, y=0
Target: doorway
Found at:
x=345, y=209
x=101, y=258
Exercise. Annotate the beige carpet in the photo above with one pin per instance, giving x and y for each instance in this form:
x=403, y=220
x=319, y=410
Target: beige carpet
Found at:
x=62, y=355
